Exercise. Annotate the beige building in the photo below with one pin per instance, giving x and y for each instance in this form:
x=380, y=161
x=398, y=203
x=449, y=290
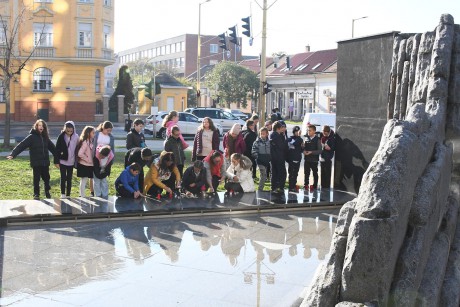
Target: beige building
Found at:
x=69, y=44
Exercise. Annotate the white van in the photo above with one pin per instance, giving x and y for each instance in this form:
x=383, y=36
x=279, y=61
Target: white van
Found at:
x=319, y=120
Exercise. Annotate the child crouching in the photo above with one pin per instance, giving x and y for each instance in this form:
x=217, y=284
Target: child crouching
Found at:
x=239, y=174
x=127, y=184
x=194, y=181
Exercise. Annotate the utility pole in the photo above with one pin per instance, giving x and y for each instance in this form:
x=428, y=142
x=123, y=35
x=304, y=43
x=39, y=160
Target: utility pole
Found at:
x=263, y=61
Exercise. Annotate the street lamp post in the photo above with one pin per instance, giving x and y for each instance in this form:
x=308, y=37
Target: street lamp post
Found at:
x=198, y=54
x=353, y=25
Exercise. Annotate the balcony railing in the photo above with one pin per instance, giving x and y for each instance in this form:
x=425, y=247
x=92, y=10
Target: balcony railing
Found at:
x=84, y=53
x=43, y=52
x=107, y=54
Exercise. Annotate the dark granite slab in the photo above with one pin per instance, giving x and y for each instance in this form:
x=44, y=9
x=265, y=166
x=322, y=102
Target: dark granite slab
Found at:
x=23, y=211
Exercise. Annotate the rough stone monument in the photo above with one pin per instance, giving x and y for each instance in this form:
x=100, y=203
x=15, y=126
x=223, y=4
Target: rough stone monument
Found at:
x=398, y=242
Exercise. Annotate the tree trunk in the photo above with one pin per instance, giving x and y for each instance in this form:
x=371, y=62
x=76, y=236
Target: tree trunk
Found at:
x=6, y=140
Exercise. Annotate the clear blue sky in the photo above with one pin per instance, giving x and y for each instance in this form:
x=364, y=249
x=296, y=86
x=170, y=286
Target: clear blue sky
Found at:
x=291, y=24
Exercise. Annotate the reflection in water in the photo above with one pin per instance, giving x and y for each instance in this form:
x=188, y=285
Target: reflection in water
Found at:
x=193, y=255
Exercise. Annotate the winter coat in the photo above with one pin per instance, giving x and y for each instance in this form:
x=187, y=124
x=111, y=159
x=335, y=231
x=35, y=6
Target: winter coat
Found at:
x=175, y=146
x=134, y=155
x=38, y=148
x=190, y=177
x=85, y=153
x=129, y=182
x=112, y=142
x=169, y=126
x=240, y=145
x=155, y=176
x=249, y=137
x=294, y=149
x=261, y=151
x=314, y=145
x=198, y=143
x=330, y=141
x=65, y=150
x=102, y=172
x=244, y=174
x=135, y=139
x=219, y=171
x=278, y=147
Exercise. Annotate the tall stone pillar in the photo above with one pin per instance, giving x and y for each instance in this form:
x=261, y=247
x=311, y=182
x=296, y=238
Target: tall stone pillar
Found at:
x=121, y=100
x=105, y=107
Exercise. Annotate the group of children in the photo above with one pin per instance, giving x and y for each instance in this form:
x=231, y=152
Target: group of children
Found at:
x=93, y=152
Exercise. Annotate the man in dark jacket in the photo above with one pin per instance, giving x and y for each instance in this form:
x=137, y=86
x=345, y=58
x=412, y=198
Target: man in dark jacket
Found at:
x=328, y=144
x=250, y=136
x=135, y=138
x=194, y=180
x=174, y=144
x=141, y=156
x=312, y=150
x=278, y=150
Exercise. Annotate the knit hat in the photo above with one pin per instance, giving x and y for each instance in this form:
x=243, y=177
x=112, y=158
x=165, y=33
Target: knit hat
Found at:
x=236, y=129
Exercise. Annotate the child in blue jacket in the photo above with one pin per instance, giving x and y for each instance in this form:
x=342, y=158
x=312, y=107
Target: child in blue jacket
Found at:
x=127, y=184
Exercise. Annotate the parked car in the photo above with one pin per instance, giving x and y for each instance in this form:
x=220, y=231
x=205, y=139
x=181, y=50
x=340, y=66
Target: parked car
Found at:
x=218, y=116
x=238, y=113
x=188, y=124
x=319, y=120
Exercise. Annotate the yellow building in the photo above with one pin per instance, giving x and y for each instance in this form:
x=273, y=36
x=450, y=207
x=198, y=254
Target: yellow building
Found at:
x=69, y=43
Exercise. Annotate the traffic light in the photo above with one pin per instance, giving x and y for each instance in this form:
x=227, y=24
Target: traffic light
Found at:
x=267, y=87
x=233, y=36
x=288, y=62
x=247, y=26
x=223, y=41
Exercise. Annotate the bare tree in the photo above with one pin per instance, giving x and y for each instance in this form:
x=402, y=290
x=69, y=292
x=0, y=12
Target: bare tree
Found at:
x=12, y=60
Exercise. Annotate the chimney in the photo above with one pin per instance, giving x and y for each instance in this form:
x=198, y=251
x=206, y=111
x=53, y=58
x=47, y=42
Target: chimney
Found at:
x=307, y=48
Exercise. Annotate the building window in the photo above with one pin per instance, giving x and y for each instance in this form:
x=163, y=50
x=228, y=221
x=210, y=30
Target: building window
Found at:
x=3, y=33
x=168, y=49
x=2, y=92
x=43, y=34
x=178, y=47
x=99, y=107
x=182, y=62
x=108, y=2
x=98, y=81
x=162, y=50
x=173, y=48
x=213, y=48
x=42, y=80
x=85, y=34
x=182, y=46
x=86, y=1
x=107, y=43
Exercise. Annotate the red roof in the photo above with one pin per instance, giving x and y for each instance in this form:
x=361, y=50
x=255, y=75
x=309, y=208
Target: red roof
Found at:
x=308, y=62
x=254, y=64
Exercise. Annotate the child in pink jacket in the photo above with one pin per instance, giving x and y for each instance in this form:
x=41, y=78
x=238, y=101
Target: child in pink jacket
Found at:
x=85, y=157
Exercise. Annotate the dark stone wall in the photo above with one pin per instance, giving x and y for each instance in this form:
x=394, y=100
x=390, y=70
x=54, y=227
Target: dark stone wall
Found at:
x=363, y=71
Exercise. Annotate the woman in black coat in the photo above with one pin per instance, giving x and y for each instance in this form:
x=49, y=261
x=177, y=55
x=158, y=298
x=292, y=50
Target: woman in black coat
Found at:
x=39, y=144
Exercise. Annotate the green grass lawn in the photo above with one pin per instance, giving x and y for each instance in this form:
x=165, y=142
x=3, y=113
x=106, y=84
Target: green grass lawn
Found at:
x=17, y=180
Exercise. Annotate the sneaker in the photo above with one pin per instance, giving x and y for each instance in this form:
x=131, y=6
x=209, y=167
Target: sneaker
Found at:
x=63, y=196
x=47, y=194
x=36, y=197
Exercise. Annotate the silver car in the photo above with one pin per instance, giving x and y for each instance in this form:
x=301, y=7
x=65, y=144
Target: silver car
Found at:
x=188, y=124
x=218, y=116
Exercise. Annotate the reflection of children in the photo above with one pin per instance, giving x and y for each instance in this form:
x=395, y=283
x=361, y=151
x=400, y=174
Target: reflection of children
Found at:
x=39, y=144
x=102, y=166
x=85, y=157
x=127, y=184
x=239, y=174
x=294, y=157
x=65, y=156
x=135, y=138
x=194, y=181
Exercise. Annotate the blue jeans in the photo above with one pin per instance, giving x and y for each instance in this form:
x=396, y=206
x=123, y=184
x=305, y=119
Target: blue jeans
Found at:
x=101, y=187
